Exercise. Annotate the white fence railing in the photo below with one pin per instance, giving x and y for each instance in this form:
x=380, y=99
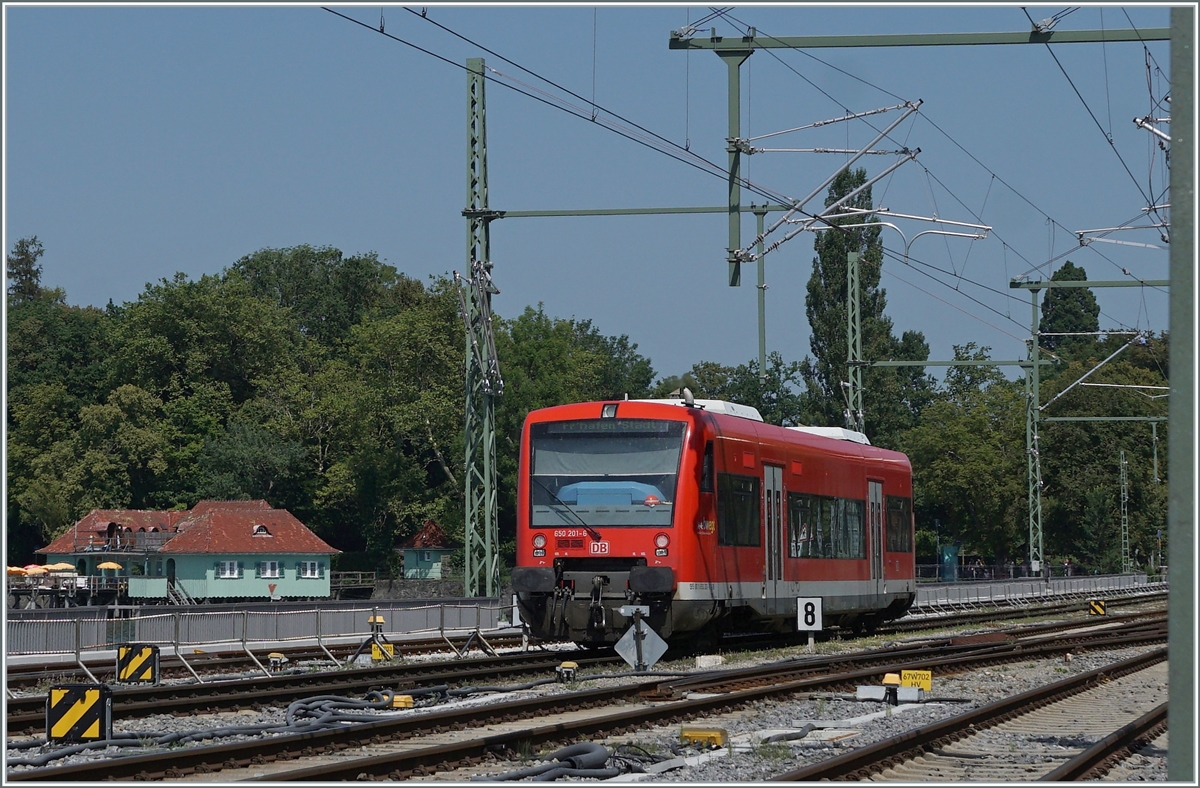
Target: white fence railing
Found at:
x=941, y=597
x=233, y=629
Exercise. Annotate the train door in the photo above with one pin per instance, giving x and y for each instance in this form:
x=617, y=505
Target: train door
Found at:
x=875, y=533
x=773, y=519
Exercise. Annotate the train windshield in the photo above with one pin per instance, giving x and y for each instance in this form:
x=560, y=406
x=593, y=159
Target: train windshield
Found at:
x=604, y=472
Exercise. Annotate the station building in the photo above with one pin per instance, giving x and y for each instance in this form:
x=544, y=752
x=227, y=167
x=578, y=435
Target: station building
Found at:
x=216, y=551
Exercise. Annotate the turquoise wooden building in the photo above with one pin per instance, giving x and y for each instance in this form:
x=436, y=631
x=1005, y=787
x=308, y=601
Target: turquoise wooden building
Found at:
x=217, y=551
x=424, y=553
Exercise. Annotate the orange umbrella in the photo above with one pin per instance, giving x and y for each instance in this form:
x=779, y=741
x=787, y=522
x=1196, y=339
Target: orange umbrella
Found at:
x=16, y=570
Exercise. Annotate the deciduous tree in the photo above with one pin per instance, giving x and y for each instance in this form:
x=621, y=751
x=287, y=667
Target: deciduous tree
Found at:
x=893, y=397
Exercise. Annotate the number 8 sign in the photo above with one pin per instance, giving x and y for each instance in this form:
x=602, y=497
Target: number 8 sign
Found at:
x=808, y=614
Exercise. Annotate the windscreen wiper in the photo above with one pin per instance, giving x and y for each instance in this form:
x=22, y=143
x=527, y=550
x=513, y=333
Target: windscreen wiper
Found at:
x=592, y=532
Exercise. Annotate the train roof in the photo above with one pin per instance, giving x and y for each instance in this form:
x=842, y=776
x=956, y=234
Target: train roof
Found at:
x=745, y=413
x=712, y=406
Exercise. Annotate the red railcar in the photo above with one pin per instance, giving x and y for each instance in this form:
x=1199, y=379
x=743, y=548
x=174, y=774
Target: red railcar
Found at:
x=712, y=519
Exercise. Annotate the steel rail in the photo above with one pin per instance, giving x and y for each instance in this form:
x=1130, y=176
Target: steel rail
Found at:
x=1092, y=762
x=400, y=765
x=28, y=713
x=284, y=747
x=1000, y=613
x=860, y=763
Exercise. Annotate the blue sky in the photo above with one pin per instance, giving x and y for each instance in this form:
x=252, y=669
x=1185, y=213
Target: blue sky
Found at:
x=141, y=141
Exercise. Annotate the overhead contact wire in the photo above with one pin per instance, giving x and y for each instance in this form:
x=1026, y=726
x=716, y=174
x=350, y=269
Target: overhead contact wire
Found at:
x=691, y=160
x=924, y=116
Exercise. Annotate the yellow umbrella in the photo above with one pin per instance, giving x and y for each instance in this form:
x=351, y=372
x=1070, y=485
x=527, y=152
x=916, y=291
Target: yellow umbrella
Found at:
x=37, y=570
x=61, y=566
x=108, y=565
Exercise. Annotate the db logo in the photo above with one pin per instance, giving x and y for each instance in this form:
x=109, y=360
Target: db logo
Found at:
x=599, y=547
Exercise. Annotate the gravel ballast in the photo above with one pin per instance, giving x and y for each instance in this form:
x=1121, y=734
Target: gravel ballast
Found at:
x=840, y=721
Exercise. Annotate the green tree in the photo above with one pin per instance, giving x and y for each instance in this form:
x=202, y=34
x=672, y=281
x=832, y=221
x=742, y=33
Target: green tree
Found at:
x=248, y=462
x=893, y=397
x=1081, y=460
x=24, y=271
x=181, y=334
x=1069, y=310
x=968, y=457
x=776, y=395
x=56, y=356
x=549, y=361
x=325, y=291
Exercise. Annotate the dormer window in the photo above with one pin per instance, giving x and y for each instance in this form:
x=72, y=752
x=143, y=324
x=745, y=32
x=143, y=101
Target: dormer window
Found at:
x=261, y=530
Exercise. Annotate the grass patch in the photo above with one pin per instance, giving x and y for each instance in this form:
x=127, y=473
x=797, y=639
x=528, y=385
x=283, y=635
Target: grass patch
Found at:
x=772, y=751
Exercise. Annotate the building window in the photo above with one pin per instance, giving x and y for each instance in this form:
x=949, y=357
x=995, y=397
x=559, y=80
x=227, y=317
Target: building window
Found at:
x=738, y=518
x=261, y=530
x=269, y=569
x=229, y=569
x=427, y=555
x=310, y=569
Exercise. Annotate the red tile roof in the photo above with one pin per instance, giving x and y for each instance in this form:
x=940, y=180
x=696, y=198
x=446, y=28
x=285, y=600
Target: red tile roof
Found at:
x=206, y=506
x=212, y=527
x=431, y=536
x=93, y=528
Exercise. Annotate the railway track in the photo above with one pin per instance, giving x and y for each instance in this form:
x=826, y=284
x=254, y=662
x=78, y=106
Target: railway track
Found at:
x=27, y=714
x=412, y=744
x=1025, y=737
x=1007, y=612
x=22, y=677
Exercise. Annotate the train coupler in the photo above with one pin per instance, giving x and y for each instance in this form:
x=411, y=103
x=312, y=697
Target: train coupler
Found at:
x=598, y=620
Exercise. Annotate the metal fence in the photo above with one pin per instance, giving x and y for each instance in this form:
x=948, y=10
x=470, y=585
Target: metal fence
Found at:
x=938, y=598
x=243, y=628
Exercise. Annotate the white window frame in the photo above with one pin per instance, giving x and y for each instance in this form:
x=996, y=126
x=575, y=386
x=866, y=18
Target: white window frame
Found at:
x=310, y=570
x=228, y=570
x=271, y=569
x=427, y=555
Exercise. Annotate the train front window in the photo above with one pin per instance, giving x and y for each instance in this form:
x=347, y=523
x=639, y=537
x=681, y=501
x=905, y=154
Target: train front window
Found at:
x=604, y=472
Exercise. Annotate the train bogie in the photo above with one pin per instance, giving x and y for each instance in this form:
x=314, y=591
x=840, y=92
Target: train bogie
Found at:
x=704, y=519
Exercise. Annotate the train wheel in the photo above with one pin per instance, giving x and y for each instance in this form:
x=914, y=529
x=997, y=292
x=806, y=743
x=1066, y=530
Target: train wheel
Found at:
x=866, y=625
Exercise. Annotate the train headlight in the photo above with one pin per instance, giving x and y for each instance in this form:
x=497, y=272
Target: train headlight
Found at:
x=539, y=540
x=662, y=540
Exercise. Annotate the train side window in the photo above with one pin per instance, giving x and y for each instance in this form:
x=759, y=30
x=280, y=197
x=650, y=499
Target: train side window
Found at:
x=853, y=545
x=738, y=510
x=899, y=524
x=824, y=527
x=802, y=526
x=706, y=470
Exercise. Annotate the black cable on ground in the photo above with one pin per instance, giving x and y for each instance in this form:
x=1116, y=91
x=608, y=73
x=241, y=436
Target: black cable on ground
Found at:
x=585, y=759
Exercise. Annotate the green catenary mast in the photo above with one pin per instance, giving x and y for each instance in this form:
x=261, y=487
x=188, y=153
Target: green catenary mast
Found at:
x=483, y=381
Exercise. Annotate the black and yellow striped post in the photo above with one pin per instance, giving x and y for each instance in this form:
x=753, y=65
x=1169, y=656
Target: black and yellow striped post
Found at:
x=79, y=713
x=1097, y=607
x=137, y=663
